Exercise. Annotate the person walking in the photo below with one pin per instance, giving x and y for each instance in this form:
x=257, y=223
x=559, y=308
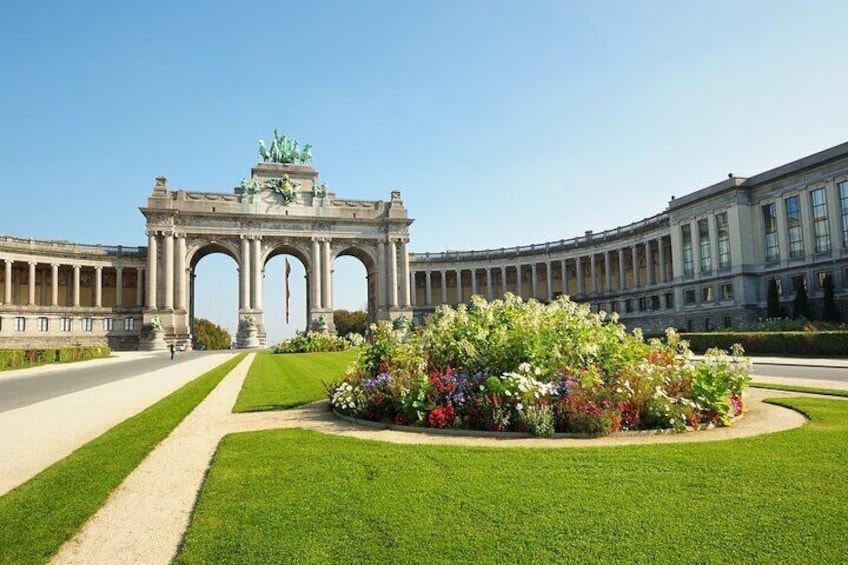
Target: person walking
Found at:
x=173, y=348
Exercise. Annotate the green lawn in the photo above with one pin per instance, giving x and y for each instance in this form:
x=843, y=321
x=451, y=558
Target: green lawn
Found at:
x=37, y=517
x=298, y=496
x=278, y=381
x=809, y=389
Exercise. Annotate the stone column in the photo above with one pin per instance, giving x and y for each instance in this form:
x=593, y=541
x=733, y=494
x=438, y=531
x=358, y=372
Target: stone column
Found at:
x=608, y=271
x=564, y=274
x=549, y=281
x=428, y=288
x=806, y=227
x=315, y=277
x=649, y=263
x=393, y=274
x=713, y=233
x=152, y=275
x=444, y=287
x=473, y=281
x=593, y=273
x=244, y=274
x=98, y=287
x=7, y=299
x=139, y=288
x=328, y=276
x=119, y=286
x=404, y=274
x=534, y=281
x=413, y=289
x=76, y=286
x=488, y=283
x=31, y=286
x=168, y=274
x=182, y=273
x=696, y=247
x=459, y=297
x=634, y=252
x=663, y=274
x=621, y=278
x=257, y=267
x=54, y=279
x=503, y=280
x=581, y=284
x=519, y=282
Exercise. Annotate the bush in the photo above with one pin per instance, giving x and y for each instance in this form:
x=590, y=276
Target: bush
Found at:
x=313, y=342
x=347, y=322
x=14, y=358
x=210, y=336
x=510, y=365
x=777, y=343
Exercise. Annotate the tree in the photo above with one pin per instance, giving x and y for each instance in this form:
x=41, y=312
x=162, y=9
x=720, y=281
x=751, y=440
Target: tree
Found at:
x=210, y=336
x=773, y=300
x=829, y=313
x=348, y=322
x=801, y=307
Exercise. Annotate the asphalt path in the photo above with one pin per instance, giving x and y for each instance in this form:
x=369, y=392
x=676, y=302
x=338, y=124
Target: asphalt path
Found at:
x=16, y=392
x=805, y=372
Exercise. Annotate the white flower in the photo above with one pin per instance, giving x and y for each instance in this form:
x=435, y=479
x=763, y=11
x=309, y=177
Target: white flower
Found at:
x=506, y=392
x=519, y=406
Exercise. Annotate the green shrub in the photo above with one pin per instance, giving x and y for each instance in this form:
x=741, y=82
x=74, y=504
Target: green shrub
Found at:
x=313, y=342
x=210, y=336
x=773, y=343
x=13, y=358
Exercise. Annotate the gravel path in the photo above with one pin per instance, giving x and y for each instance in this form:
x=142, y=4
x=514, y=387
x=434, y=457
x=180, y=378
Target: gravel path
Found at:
x=145, y=518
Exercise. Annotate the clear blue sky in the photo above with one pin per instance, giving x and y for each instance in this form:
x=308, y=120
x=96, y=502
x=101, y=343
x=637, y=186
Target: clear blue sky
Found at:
x=502, y=123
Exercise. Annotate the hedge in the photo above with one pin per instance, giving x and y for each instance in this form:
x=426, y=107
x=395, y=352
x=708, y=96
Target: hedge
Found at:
x=833, y=343
x=16, y=358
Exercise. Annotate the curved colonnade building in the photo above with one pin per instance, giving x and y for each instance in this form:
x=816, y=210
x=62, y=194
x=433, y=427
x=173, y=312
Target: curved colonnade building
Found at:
x=705, y=262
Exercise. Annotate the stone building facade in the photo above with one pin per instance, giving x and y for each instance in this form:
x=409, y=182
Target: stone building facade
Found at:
x=705, y=262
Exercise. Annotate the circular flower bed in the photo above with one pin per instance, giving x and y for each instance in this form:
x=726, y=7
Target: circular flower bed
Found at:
x=510, y=365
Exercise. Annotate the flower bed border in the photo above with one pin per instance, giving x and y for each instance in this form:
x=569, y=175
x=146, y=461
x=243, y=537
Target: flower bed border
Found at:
x=451, y=432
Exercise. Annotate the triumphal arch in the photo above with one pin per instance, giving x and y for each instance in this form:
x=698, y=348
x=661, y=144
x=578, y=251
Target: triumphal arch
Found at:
x=281, y=209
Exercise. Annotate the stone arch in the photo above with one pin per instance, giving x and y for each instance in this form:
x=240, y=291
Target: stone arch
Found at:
x=367, y=256
x=198, y=249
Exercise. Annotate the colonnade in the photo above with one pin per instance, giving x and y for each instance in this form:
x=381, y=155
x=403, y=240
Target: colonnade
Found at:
x=638, y=266
x=33, y=268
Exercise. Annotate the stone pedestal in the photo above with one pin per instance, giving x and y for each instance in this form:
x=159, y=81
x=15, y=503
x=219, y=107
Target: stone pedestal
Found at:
x=153, y=341
x=247, y=338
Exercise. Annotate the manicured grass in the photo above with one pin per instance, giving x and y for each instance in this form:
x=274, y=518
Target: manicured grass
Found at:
x=40, y=515
x=278, y=381
x=809, y=389
x=298, y=496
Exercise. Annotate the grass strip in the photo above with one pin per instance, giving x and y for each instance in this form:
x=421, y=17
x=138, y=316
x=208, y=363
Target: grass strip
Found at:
x=277, y=382
x=808, y=389
x=43, y=513
x=298, y=496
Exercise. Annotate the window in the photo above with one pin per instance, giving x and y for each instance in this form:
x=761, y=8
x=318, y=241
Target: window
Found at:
x=708, y=324
x=655, y=302
x=643, y=304
x=669, y=300
x=707, y=294
x=20, y=324
x=129, y=324
x=770, y=223
x=727, y=291
x=843, y=202
x=628, y=305
x=793, y=222
x=107, y=324
x=704, y=244
x=727, y=322
x=43, y=324
x=87, y=324
x=778, y=283
x=821, y=226
x=66, y=324
x=689, y=297
x=820, y=277
x=688, y=260
x=723, y=231
x=690, y=325
x=798, y=282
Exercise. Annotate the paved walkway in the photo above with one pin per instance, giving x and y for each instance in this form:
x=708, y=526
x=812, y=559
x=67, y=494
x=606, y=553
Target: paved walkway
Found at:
x=34, y=437
x=144, y=520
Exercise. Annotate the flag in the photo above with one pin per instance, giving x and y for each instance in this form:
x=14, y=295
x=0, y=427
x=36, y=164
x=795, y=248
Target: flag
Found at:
x=288, y=292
